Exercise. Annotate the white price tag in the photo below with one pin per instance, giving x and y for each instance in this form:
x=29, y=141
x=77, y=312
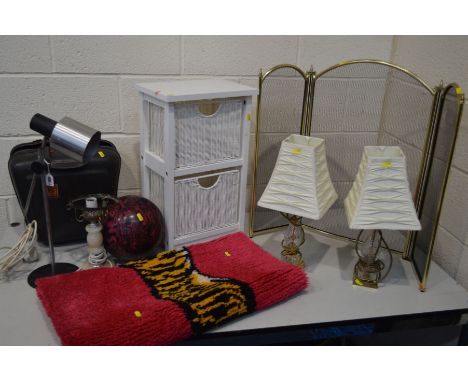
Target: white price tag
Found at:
x=49, y=180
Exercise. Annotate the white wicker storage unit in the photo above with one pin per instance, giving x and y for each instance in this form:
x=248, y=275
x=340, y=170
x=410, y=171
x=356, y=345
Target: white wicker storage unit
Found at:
x=194, y=155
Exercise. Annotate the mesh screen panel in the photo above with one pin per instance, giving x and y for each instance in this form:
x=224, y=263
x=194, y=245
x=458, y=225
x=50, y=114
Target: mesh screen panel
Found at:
x=405, y=122
x=280, y=116
x=435, y=185
x=354, y=106
x=367, y=104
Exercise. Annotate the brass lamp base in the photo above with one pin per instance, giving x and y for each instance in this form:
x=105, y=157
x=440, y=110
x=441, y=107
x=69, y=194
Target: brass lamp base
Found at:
x=365, y=283
x=368, y=275
x=294, y=237
x=292, y=255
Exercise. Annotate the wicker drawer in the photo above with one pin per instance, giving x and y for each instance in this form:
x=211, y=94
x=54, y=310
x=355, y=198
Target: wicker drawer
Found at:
x=207, y=132
x=206, y=202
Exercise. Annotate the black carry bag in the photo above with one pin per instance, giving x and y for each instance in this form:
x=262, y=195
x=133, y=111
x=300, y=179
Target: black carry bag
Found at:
x=71, y=180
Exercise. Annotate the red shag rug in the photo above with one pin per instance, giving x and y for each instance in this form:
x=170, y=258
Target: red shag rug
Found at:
x=170, y=297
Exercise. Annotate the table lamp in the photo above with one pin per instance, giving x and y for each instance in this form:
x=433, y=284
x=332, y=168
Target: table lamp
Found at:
x=78, y=142
x=92, y=208
x=299, y=186
x=379, y=198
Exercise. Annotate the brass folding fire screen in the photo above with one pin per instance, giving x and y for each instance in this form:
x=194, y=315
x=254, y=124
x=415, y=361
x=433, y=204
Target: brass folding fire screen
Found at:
x=351, y=105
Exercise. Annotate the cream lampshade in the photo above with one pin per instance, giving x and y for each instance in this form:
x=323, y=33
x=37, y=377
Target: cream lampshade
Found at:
x=299, y=186
x=300, y=183
x=380, y=198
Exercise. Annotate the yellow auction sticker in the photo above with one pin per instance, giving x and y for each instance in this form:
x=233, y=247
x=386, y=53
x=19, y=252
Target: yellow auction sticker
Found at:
x=387, y=164
x=296, y=151
x=101, y=154
x=139, y=216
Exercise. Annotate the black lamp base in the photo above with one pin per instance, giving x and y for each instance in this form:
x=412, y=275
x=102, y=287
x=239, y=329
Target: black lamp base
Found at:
x=46, y=271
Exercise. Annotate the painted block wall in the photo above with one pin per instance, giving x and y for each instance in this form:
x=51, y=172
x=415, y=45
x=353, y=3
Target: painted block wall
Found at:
x=92, y=78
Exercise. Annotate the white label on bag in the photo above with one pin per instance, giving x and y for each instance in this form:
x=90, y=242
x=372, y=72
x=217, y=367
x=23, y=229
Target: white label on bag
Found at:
x=49, y=180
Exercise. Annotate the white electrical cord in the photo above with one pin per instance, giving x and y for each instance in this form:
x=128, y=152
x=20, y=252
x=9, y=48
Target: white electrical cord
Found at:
x=25, y=249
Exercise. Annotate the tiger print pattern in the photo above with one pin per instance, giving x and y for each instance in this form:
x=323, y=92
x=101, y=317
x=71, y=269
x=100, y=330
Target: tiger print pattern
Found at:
x=207, y=301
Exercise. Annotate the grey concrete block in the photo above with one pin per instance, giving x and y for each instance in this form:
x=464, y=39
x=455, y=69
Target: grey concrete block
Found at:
x=281, y=105
x=90, y=100
x=407, y=111
x=462, y=271
x=434, y=187
x=324, y=51
x=269, y=145
x=236, y=55
x=117, y=54
x=252, y=82
x=6, y=145
x=434, y=58
x=344, y=153
x=129, y=149
x=248, y=201
x=447, y=251
x=265, y=218
x=351, y=105
x=460, y=157
x=335, y=219
x=135, y=191
x=453, y=216
x=413, y=158
x=251, y=159
x=130, y=101
x=3, y=218
x=19, y=54
x=447, y=128
x=349, y=69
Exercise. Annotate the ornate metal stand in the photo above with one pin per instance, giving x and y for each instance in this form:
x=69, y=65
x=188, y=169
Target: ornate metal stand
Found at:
x=91, y=208
x=293, y=239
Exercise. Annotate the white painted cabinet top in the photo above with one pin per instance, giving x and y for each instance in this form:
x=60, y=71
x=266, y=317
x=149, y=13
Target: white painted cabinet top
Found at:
x=191, y=90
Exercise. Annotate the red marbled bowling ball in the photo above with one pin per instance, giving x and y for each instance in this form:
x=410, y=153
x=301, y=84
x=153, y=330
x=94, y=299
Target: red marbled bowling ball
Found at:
x=133, y=229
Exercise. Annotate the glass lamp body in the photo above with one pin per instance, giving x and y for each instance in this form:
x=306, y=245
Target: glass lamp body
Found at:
x=370, y=245
x=294, y=237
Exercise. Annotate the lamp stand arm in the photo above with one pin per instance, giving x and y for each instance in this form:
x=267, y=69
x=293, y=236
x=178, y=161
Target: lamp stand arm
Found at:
x=45, y=201
x=52, y=268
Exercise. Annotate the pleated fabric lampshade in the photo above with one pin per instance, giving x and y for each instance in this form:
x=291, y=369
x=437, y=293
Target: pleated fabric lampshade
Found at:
x=300, y=183
x=380, y=197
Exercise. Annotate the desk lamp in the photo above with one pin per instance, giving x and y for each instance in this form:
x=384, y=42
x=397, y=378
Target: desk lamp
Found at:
x=76, y=141
x=379, y=199
x=299, y=186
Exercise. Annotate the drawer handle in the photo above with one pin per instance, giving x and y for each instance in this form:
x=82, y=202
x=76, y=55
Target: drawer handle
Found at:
x=208, y=181
x=208, y=109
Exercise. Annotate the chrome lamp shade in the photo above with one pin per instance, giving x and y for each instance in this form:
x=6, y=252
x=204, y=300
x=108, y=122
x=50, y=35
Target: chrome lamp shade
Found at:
x=300, y=183
x=72, y=138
